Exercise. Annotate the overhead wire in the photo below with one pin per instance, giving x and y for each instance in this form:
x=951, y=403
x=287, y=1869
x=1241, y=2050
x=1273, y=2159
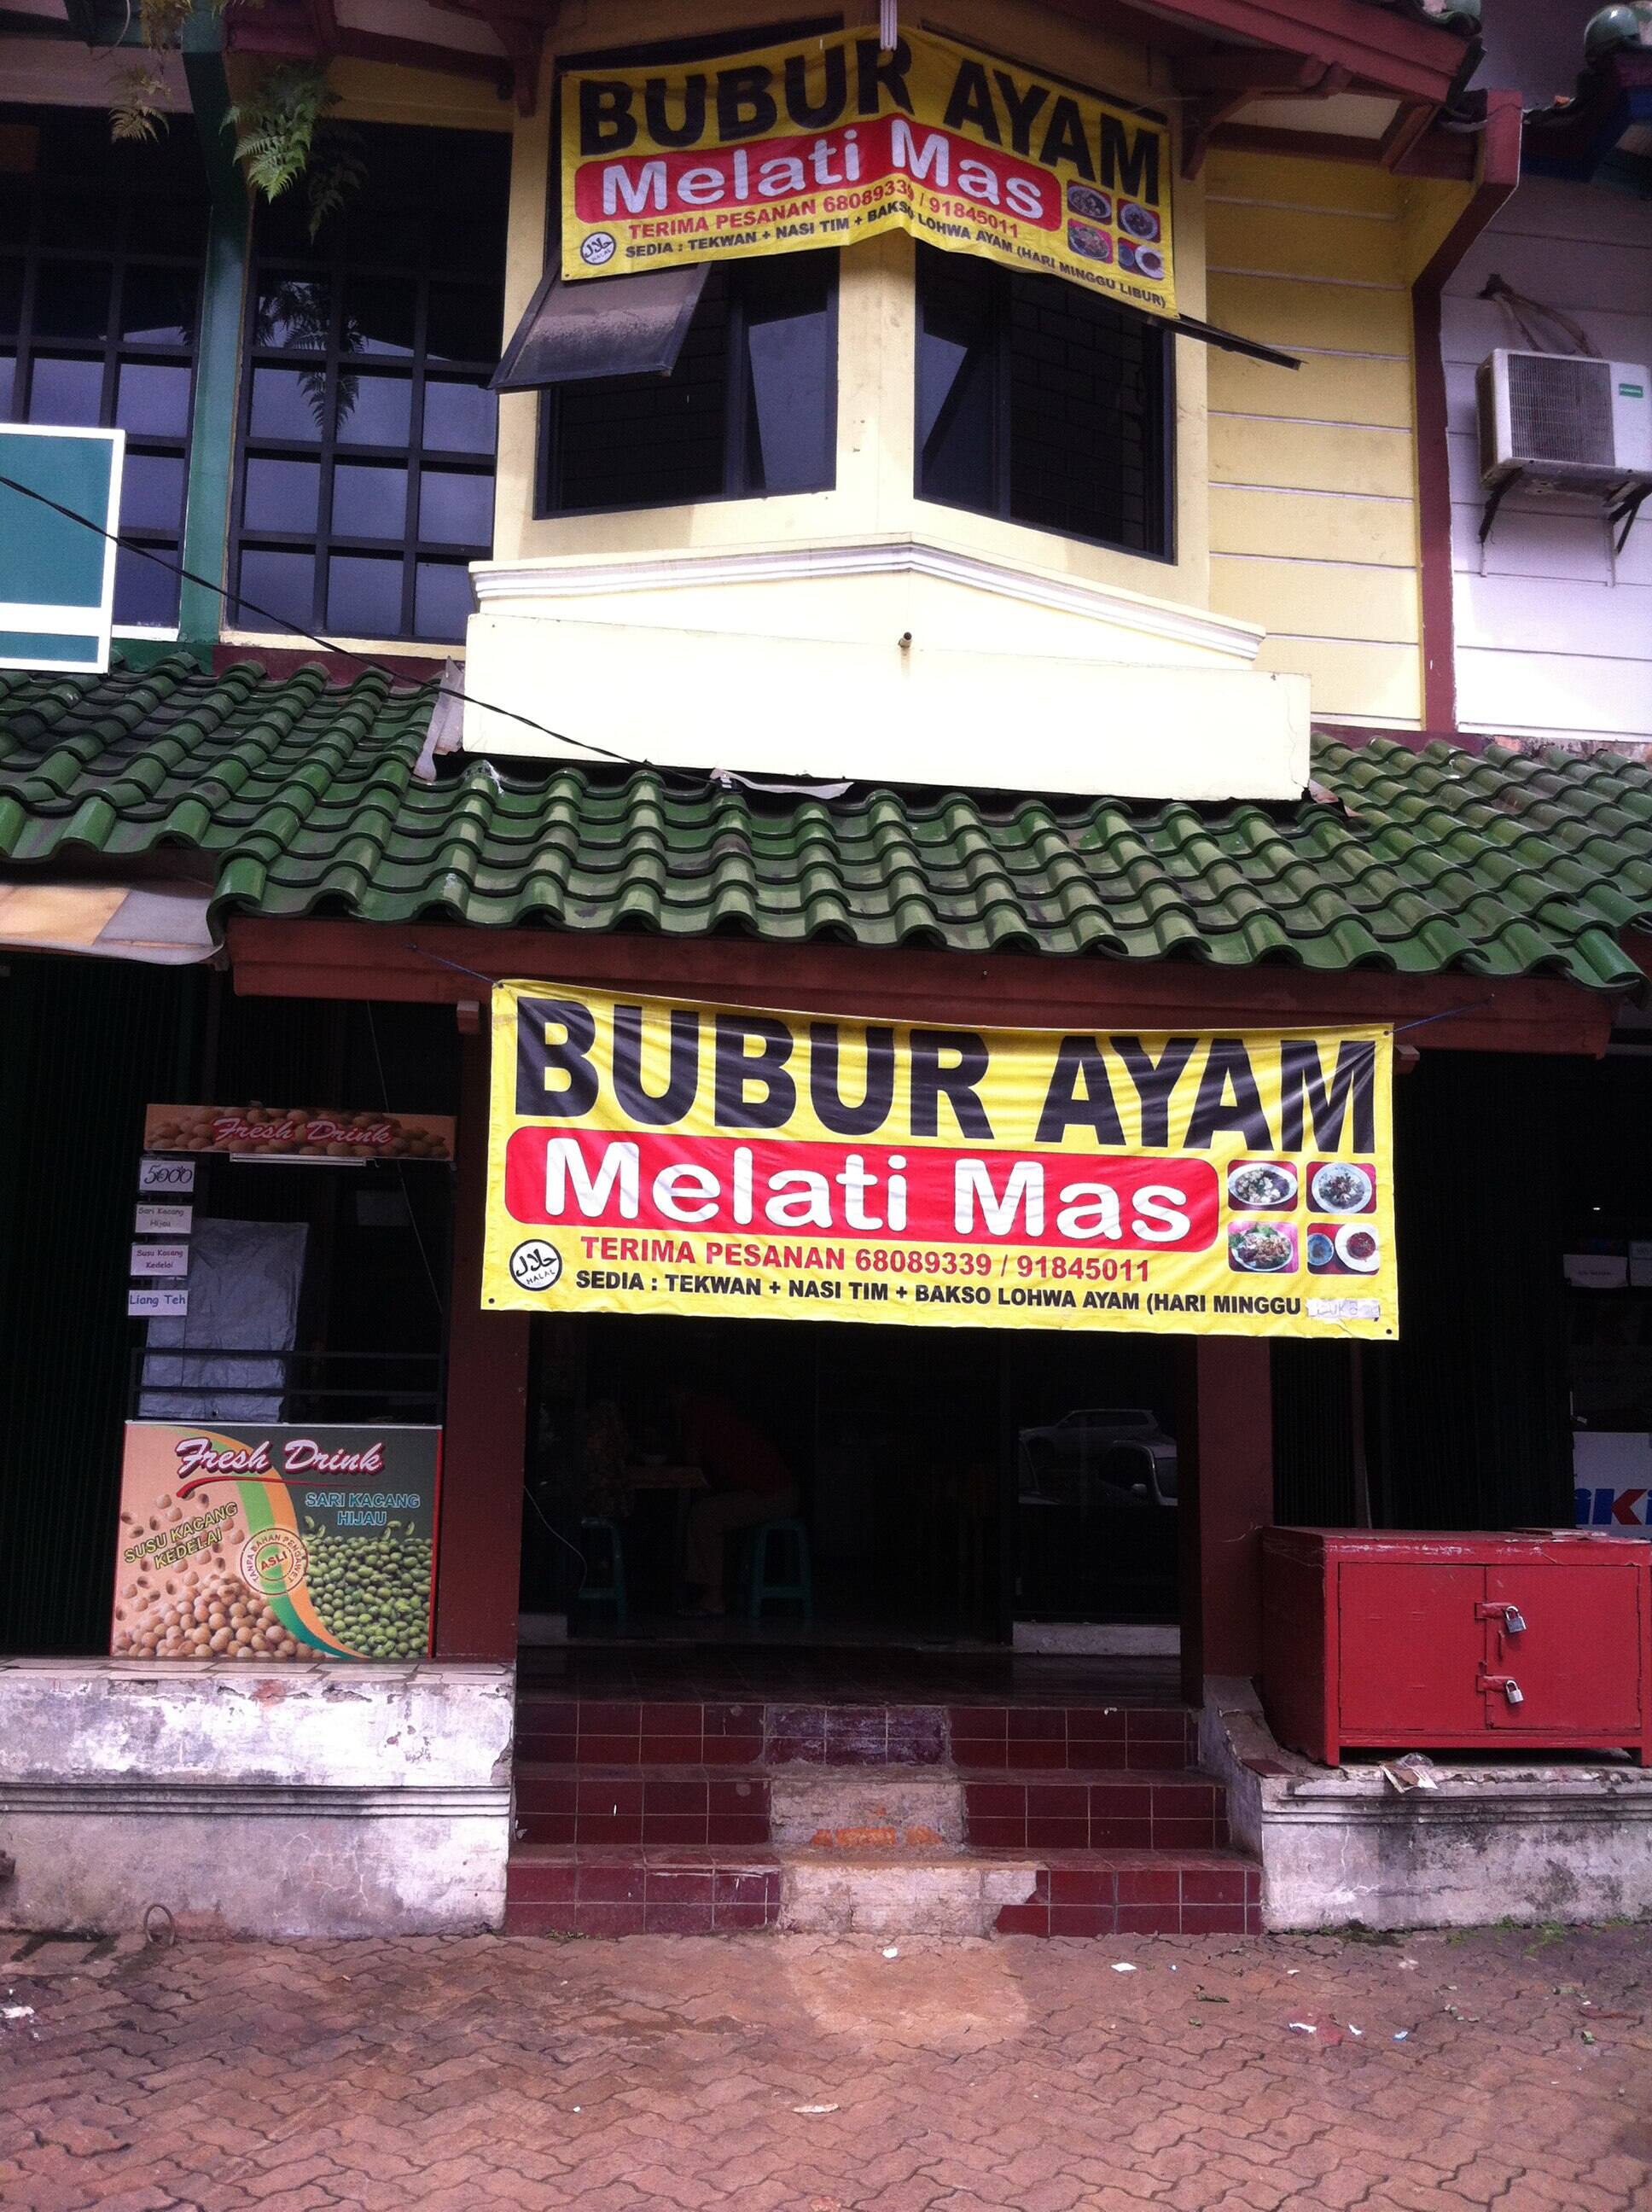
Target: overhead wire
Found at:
x=328, y=645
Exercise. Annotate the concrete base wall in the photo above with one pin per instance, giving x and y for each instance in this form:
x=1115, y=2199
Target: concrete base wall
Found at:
x=1340, y=1846
x=255, y=1800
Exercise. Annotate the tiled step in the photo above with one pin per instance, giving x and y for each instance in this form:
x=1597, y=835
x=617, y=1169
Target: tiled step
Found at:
x=1140, y=1893
x=657, y=1806
x=589, y=1732
x=1115, y=1810
x=1120, y=1809
x=618, y=1892
x=552, y=1892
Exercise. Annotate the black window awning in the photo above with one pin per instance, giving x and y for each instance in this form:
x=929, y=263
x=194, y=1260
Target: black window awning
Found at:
x=635, y=325
x=631, y=325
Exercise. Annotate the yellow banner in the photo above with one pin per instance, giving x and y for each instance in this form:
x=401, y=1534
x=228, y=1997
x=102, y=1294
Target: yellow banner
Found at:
x=828, y=140
x=657, y=1156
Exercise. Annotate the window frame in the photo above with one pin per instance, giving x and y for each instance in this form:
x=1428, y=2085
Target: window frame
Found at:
x=711, y=46
x=1161, y=449
x=737, y=399
x=339, y=269
x=114, y=352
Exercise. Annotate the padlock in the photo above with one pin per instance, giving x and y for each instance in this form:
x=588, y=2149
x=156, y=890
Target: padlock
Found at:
x=1514, y=1621
x=1512, y=1691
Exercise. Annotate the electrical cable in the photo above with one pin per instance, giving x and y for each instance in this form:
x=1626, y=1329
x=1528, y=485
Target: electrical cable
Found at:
x=310, y=636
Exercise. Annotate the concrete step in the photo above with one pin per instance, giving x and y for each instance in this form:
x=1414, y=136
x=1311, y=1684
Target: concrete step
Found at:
x=896, y=1809
x=553, y=1890
x=911, y=1892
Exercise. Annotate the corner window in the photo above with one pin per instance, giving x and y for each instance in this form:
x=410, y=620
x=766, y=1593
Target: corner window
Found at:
x=1041, y=404
x=750, y=411
x=365, y=479
x=102, y=249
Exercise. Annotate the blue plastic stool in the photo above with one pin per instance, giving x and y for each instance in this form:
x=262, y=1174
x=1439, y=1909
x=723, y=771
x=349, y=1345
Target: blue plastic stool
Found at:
x=611, y=1592
x=800, y=1590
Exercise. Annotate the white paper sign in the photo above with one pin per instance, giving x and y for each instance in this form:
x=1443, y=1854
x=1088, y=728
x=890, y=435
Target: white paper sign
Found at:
x=142, y=1305
x=1597, y=1271
x=164, y=1220
x=160, y=1260
x=166, y=1174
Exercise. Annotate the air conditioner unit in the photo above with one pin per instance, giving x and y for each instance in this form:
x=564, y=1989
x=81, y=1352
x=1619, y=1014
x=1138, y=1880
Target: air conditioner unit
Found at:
x=1564, y=421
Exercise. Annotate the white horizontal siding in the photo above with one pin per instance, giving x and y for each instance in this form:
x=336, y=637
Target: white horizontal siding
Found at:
x=1554, y=632
x=1537, y=540
x=1534, y=692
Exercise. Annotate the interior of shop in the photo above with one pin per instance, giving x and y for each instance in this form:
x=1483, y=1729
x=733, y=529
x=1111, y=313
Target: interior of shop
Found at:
x=906, y=1458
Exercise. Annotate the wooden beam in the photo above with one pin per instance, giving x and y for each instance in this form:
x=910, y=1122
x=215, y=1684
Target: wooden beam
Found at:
x=1221, y=85
x=324, y=25
x=479, y=1543
x=443, y=963
x=522, y=36
x=1382, y=50
x=1499, y=146
x=1224, y=1465
x=1439, y=153
x=294, y=39
x=1246, y=69
x=1406, y=131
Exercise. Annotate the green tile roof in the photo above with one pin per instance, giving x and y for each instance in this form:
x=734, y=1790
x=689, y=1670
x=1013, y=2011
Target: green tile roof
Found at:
x=301, y=797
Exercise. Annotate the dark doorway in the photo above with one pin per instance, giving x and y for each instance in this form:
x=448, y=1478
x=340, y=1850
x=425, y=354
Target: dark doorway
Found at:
x=951, y=1481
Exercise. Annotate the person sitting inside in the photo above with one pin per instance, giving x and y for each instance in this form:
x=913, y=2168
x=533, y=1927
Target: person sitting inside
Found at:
x=750, y=1483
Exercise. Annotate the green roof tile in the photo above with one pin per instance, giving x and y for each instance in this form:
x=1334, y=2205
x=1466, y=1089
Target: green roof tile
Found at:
x=303, y=795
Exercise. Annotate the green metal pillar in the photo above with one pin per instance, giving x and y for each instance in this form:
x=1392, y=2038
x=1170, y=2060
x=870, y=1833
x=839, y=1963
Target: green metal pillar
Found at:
x=212, y=439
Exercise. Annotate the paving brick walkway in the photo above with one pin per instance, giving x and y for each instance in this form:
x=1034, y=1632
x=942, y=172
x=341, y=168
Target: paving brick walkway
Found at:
x=791, y=2074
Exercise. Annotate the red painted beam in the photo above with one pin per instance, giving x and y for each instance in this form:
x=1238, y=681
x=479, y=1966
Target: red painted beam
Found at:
x=442, y=963
x=479, y=1545
x=1385, y=52
x=1225, y=1451
x=294, y=38
x=1499, y=174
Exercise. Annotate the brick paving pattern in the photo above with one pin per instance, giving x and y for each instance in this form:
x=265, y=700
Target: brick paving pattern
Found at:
x=793, y=2074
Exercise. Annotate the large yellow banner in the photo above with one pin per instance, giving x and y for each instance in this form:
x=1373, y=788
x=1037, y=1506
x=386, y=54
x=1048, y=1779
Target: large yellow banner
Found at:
x=829, y=140
x=657, y=1157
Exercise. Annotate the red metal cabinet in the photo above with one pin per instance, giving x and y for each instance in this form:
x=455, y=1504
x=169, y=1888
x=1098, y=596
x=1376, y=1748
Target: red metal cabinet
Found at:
x=1394, y=1641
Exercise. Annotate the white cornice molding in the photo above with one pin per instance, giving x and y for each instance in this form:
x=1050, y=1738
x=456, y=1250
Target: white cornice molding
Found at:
x=499, y=583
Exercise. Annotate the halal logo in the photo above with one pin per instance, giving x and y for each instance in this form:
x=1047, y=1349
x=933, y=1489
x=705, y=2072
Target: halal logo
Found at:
x=536, y=1266
x=598, y=250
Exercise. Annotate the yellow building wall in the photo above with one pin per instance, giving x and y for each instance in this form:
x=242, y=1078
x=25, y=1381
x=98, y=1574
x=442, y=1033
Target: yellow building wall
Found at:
x=1313, y=472
x=874, y=492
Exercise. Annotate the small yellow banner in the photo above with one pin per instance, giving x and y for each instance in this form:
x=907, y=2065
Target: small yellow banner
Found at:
x=651, y=1156
x=829, y=140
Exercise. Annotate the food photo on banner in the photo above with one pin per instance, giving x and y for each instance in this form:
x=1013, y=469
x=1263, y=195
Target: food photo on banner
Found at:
x=655, y=1156
x=829, y=140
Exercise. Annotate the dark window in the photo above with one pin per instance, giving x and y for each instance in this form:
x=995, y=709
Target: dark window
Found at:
x=749, y=412
x=1041, y=403
x=366, y=482
x=102, y=249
